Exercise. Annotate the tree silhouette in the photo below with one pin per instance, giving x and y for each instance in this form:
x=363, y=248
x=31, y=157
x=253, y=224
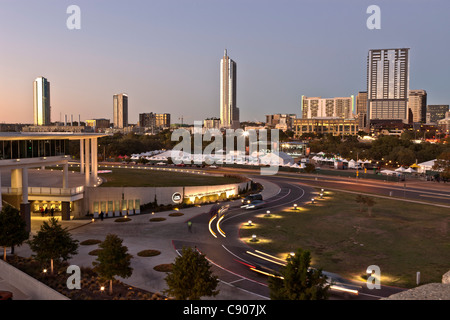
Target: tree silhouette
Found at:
x=53, y=242
x=191, y=277
x=113, y=260
x=12, y=229
x=298, y=281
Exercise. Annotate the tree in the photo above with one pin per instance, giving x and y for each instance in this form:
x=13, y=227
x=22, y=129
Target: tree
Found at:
x=53, y=242
x=360, y=199
x=442, y=164
x=191, y=277
x=298, y=281
x=370, y=202
x=12, y=228
x=113, y=260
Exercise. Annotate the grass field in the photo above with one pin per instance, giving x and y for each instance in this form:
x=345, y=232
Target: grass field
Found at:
x=400, y=237
x=154, y=178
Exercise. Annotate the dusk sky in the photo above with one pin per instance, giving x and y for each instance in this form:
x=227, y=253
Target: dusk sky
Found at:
x=166, y=54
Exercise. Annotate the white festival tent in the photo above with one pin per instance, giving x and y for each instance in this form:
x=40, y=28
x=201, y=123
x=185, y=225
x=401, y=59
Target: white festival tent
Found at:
x=277, y=158
x=424, y=166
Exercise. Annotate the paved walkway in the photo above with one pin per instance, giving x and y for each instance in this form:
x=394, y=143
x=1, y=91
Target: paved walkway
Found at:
x=141, y=234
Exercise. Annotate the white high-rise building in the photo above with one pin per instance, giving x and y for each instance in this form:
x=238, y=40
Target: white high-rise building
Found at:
x=41, y=102
x=388, y=84
x=229, y=112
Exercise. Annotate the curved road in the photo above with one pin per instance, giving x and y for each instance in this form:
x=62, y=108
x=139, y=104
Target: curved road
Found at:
x=232, y=259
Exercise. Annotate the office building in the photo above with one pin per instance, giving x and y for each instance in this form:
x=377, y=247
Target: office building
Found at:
x=280, y=121
x=98, y=123
x=318, y=126
x=211, y=123
x=317, y=107
x=154, y=120
x=417, y=105
x=436, y=112
x=120, y=110
x=361, y=108
x=229, y=112
x=41, y=101
x=388, y=84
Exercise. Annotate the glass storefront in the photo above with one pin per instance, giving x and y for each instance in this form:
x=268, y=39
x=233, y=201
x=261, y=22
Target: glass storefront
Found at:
x=20, y=149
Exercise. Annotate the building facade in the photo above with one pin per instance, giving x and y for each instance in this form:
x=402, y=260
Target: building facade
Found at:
x=388, y=84
x=229, y=112
x=211, y=123
x=41, y=102
x=417, y=105
x=280, y=121
x=334, y=126
x=361, y=109
x=317, y=107
x=154, y=121
x=436, y=112
x=98, y=123
x=120, y=110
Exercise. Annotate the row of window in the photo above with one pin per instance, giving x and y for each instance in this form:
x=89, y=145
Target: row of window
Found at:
x=19, y=149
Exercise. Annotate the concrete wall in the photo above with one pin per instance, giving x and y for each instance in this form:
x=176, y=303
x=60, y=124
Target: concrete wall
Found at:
x=33, y=288
x=147, y=194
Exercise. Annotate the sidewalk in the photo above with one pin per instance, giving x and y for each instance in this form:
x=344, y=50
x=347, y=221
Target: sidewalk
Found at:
x=141, y=234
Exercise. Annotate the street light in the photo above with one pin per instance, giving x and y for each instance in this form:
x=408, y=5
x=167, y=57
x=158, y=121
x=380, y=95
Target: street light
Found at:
x=312, y=200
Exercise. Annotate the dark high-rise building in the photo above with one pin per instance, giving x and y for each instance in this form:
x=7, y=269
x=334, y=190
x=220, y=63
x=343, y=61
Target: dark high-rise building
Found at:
x=120, y=110
x=388, y=84
x=417, y=105
x=154, y=120
x=41, y=102
x=436, y=112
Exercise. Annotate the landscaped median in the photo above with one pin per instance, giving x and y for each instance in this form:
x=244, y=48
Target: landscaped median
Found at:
x=345, y=236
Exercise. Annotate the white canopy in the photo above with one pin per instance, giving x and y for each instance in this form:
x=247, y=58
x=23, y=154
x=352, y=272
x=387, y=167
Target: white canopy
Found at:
x=280, y=158
x=400, y=169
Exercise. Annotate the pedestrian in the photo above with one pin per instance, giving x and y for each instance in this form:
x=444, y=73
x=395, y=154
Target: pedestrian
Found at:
x=52, y=211
x=101, y=215
x=42, y=211
x=190, y=226
x=46, y=210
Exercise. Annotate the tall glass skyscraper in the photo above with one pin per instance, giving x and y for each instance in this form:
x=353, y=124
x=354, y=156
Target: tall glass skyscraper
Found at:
x=229, y=113
x=388, y=84
x=41, y=102
x=120, y=110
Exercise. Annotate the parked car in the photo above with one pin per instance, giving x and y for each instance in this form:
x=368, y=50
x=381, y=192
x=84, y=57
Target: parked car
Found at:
x=6, y=295
x=252, y=197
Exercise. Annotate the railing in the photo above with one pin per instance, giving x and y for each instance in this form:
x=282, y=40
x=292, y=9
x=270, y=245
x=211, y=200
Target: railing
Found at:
x=45, y=191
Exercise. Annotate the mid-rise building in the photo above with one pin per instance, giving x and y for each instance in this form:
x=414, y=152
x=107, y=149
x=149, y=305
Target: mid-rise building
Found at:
x=361, y=109
x=154, y=121
x=318, y=126
x=280, y=121
x=317, y=107
x=41, y=101
x=211, y=123
x=120, y=110
x=229, y=112
x=436, y=112
x=388, y=84
x=98, y=123
x=417, y=105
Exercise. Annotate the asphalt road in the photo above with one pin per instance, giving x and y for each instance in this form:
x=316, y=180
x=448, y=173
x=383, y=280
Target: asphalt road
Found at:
x=232, y=259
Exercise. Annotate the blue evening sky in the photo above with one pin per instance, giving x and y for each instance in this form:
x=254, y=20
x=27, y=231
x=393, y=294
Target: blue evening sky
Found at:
x=165, y=54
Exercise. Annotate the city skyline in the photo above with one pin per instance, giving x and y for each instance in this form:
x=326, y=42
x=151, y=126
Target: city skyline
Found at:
x=281, y=58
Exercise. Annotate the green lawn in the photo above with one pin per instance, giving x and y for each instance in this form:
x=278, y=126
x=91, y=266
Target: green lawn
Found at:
x=400, y=237
x=154, y=178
